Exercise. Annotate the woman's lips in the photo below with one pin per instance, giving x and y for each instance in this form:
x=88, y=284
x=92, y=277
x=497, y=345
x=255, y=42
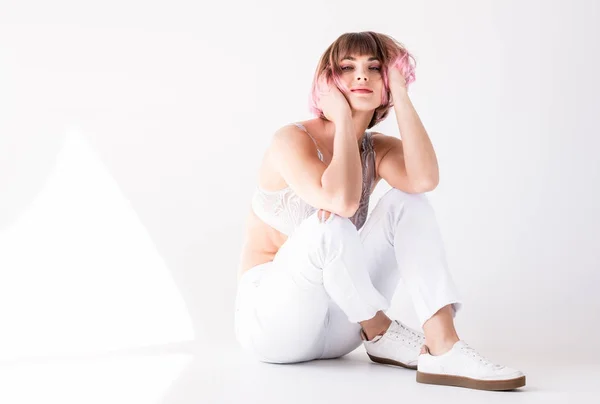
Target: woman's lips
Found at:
x=362, y=91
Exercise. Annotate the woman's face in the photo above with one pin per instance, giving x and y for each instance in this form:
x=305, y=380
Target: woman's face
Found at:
x=362, y=72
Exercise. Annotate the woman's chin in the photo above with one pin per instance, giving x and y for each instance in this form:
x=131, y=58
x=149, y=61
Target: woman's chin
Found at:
x=363, y=107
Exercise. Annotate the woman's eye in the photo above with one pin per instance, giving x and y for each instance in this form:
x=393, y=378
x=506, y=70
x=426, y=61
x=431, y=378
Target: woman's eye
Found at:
x=376, y=68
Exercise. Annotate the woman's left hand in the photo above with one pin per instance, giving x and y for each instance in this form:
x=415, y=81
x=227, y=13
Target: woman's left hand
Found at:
x=396, y=79
x=400, y=72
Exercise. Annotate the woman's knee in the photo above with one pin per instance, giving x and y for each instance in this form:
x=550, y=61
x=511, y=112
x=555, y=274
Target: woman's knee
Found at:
x=395, y=198
x=330, y=221
x=395, y=194
x=343, y=224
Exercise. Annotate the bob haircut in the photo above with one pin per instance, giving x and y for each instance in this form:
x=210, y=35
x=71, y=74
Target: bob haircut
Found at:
x=389, y=52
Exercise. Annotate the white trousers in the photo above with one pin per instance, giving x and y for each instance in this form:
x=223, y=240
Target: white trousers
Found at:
x=328, y=276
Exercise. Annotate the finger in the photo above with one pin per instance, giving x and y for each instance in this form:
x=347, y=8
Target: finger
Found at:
x=324, y=215
x=321, y=83
x=324, y=85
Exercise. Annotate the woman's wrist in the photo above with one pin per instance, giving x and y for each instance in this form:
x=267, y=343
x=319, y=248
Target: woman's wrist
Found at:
x=344, y=124
x=399, y=95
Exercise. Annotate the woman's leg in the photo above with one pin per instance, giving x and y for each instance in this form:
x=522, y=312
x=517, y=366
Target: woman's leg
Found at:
x=401, y=240
x=283, y=307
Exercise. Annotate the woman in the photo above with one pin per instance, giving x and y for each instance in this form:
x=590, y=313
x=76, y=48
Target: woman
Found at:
x=316, y=274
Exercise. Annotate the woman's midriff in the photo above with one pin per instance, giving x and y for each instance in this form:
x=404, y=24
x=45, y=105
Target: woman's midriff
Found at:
x=261, y=243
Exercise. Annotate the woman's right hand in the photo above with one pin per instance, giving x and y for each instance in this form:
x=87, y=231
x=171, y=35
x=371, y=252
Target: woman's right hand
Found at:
x=331, y=101
x=323, y=215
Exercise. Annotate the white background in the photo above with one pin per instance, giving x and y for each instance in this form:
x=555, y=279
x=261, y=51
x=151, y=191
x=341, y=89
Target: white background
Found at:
x=131, y=133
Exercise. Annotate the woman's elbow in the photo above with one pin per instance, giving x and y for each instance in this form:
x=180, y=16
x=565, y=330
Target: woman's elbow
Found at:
x=425, y=185
x=348, y=209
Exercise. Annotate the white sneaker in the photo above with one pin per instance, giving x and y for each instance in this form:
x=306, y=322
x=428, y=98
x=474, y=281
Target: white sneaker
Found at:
x=462, y=366
x=399, y=346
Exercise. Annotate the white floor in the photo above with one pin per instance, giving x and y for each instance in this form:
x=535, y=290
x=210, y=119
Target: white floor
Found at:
x=223, y=375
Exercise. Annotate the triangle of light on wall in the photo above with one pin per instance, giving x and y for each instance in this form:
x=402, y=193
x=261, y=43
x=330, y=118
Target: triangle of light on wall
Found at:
x=79, y=272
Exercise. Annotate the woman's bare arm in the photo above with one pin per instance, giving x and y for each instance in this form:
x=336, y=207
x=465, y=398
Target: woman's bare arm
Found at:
x=335, y=188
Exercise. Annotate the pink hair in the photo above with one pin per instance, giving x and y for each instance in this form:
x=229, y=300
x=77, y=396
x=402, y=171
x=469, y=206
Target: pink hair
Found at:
x=389, y=51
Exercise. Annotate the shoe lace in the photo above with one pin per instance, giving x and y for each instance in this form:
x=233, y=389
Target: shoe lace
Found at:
x=478, y=357
x=408, y=335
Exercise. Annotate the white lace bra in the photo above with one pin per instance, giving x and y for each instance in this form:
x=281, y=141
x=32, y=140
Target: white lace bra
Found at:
x=284, y=210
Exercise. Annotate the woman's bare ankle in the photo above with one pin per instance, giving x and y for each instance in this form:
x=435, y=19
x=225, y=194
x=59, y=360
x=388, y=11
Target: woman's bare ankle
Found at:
x=375, y=326
x=440, y=346
x=440, y=334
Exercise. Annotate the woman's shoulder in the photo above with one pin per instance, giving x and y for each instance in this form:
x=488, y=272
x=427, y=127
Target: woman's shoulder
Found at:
x=307, y=126
x=382, y=142
x=294, y=138
x=297, y=132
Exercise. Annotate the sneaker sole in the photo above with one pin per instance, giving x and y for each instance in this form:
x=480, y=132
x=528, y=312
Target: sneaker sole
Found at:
x=459, y=381
x=386, y=361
